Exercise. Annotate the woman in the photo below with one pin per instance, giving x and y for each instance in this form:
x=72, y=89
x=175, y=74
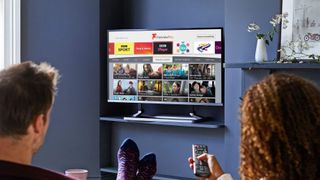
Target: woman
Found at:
x=280, y=136
x=119, y=87
x=147, y=70
x=176, y=88
x=195, y=87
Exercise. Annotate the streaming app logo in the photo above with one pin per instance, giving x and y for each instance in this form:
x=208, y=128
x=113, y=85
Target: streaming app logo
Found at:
x=143, y=48
x=111, y=48
x=162, y=48
x=204, y=48
x=123, y=48
x=156, y=36
x=183, y=47
x=218, y=47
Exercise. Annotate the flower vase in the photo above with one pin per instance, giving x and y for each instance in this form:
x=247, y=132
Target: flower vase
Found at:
x=261, y=51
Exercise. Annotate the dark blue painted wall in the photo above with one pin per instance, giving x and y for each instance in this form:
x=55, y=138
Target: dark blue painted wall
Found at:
x=175, y=14
x=234, y=16
x=172, y=145
x=240, y=47
x=66, y=34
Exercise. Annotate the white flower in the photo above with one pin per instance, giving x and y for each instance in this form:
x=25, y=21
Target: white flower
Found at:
x=285, y=21
x=273, y=23
x=306, y=46
x=284, y=26
x=252, y=27
x=285, y=15
x=276, y=20
x=281, y=50
x=291, y=45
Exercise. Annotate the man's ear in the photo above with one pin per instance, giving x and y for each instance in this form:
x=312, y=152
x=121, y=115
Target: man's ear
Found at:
x=38, y=123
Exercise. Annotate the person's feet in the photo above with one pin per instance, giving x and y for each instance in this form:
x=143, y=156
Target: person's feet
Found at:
x=128, y=160
x=147, y=167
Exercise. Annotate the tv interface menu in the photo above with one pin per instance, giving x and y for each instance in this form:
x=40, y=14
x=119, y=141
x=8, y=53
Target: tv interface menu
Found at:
x=165, y=66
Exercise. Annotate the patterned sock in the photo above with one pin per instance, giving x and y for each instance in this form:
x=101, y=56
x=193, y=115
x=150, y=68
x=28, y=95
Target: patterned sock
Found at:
x=128, y=160
x=147, y=167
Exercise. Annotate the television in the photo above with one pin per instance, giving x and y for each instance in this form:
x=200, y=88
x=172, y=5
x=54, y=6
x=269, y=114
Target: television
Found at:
x=166, y=66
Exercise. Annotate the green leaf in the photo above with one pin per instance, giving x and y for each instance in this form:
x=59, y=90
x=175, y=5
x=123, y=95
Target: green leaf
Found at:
x=260, y=36
x=275, y=29
x=271, y=38
x=312, y=56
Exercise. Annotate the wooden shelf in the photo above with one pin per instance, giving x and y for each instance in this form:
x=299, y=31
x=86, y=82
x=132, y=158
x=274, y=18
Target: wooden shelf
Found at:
x=211, y=124
x=272, y=65
x=113, y=170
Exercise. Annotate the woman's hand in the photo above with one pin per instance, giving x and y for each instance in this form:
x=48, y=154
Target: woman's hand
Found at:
x=214, y=166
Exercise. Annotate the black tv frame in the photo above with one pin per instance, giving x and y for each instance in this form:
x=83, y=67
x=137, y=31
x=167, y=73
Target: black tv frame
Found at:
x=167, y=102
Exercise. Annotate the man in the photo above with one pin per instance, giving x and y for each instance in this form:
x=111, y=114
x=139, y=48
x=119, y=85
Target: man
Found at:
x=27, y=93
x=130, y=90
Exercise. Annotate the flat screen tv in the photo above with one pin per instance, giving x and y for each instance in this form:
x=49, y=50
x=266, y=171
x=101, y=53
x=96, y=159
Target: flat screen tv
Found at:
x=167, y=66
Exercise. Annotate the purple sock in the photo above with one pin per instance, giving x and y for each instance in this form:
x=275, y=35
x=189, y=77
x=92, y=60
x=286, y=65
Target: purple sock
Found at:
x=128, y=160
x=147, y=167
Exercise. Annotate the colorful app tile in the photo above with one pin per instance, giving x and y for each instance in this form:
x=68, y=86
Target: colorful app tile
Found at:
x=143, y=48
x=111, y=48
x=162, y=48
x=124, y=48
x=182, y=47
x=218, y=47
x=204, y=47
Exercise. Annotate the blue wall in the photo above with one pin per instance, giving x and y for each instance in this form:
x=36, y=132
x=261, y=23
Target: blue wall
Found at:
x=234, y=16
x=66, y=34
x=240, y=47
x=176, y=14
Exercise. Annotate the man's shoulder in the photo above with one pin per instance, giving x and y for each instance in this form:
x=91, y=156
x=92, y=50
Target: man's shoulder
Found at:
x=10, y=170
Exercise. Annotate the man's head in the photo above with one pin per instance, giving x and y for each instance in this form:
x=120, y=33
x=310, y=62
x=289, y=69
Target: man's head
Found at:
x=27, y=93
x=203, y=89
x=174, y=66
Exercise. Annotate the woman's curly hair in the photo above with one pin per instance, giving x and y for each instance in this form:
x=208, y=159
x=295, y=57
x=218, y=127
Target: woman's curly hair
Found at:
x=280, y=129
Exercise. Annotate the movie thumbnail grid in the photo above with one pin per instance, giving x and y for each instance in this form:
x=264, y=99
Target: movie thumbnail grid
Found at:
x=172, y=81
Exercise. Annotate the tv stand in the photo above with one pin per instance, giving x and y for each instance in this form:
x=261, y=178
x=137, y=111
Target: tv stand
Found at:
x=139, y=116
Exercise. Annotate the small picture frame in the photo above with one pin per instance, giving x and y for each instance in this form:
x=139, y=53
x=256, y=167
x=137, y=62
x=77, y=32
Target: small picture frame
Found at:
x=300, y=36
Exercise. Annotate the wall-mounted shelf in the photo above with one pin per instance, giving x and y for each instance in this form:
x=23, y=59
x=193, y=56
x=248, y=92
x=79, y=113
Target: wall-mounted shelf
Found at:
x=272, y=65
x=113, y=170
x=211, y=124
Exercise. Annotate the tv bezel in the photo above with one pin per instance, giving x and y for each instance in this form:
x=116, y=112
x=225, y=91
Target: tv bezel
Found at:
x=168, y=102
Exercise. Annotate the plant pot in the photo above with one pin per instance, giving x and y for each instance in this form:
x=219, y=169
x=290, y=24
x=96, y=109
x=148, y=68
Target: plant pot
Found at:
x=261, y=51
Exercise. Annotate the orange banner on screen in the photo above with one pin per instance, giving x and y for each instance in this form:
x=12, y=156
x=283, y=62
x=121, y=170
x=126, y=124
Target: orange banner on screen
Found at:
x=143, y=48
x=124, y=48
x=111, y=48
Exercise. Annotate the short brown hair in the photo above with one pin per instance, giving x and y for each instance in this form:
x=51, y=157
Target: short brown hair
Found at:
x=26, y=90
x=280, y=122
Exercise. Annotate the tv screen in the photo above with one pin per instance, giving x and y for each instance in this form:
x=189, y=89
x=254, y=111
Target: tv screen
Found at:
x=176, y=66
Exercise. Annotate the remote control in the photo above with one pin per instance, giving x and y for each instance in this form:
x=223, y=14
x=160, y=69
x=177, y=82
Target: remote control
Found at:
x=200, y=168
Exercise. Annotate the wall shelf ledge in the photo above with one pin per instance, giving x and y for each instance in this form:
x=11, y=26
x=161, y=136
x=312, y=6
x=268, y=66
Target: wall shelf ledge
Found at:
x=272, y=65
x=210, y=124
x=113, y=170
